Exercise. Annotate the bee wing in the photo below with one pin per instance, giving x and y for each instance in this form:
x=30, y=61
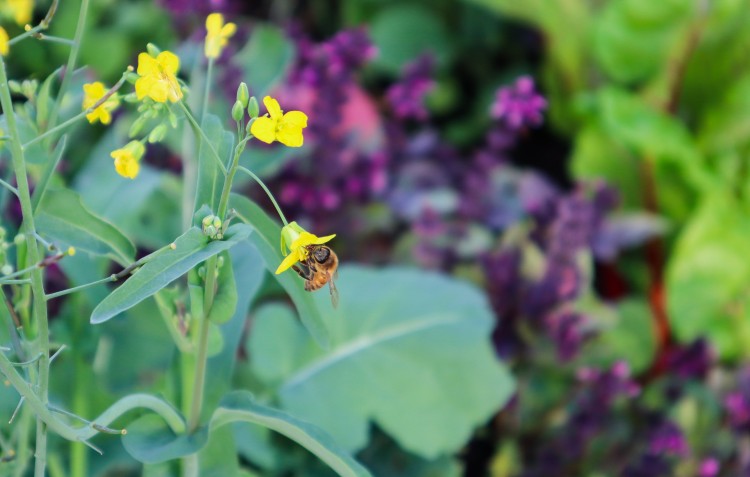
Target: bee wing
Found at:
x=334, y=293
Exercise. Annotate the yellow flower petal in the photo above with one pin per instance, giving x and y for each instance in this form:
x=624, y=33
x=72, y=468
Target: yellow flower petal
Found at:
x=127, y=167
x=287, y=263
x=21, y=10
x=4, y=47
x=169, y=62
x=264, y=129
x=228, y=30
x=273, y=108
x=296, y=119
x=158, y=91
x=214, y=22
x=147, y=65
x=291, y=137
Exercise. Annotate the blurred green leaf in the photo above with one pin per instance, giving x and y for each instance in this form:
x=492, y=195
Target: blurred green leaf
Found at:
x=630, y=337
x=44, y=102
x=707, y=285
x=265, y=59
x=150, y=440
x=210, y=176
x=241, y=406
x=633, y=39
x=402, y=32
x=410, y=351
x=266, y=240
x=726, y=125
x=225, y=301
x=63, y=218
x=191, y=249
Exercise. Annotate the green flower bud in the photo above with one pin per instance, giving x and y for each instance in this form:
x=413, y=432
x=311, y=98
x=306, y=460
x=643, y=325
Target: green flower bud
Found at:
x=19, y=239
x=252, y=107
x=210, y=231
x=6, y=269
x=249, y=125
x=153, y=50
x=137, y=126
x=238, y=111
x=243, y=95
x=15, y=86
x=217, y=222
x=157, y=134
x=207, y=220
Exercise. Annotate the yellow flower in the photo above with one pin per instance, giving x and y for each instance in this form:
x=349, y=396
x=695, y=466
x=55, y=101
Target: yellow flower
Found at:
x=285, y=128
x=4, y=48
x=126, y=159
x=157, y=77
x=217, y=34
x=296, y=239
x=93, y=92
x=21, y=10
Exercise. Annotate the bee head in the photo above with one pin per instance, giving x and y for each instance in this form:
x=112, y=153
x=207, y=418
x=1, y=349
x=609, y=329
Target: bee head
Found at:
x=321, y=254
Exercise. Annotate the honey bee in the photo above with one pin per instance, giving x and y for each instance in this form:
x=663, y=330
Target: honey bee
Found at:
x=319, y=269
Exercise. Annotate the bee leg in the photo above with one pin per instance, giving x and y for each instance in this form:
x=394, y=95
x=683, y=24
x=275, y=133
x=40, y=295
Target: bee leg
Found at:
x=306, y=274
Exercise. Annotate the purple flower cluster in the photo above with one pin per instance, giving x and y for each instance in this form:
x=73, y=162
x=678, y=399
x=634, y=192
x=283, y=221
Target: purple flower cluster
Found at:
x=737, y=403
x=519, y=106
x=406, y=97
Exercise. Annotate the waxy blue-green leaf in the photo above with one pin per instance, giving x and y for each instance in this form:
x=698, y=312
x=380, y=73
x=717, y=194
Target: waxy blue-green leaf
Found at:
x=410, y=351
x=150, y=440
x=240, y=406
x=225, y=300
x=63, y=219
x=167, y=266
x=210, y=175
x=266, y=239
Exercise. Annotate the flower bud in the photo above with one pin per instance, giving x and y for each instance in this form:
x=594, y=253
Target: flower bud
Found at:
x=238, y=111
x=137, y=126
x=252, y=107
x=157, y=134
x=153, y=50
x=217, y=222
x=249, y=126
x=19, y=239
x=6, y=269
x=243, y=95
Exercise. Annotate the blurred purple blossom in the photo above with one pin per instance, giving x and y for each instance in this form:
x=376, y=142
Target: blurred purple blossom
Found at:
x=668, y=439
x=692, y=361
x=709, y=467
x=406, y=97
x=201, y=8
x=520, y=105
x=737, y=402
x=567, y=330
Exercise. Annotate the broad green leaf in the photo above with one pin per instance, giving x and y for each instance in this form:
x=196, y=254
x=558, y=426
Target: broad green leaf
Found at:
x=268, y=46
x=630, y=337
x=150, y=440
x=210, y=176
x=225, y=300
x=248, y=275
x=707, y=280
x=63, y=218
x=403, y=32
x=410, y=351
x=240, y=406
x=633, y=39
x=266, y=239
x=191, y=249
x=44, y=101
x=219, y=456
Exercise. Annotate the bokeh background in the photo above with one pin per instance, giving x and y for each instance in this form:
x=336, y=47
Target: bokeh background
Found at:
x=583, y=164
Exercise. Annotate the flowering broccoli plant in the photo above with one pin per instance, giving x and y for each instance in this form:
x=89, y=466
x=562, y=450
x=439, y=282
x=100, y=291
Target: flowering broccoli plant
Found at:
x=145, y=236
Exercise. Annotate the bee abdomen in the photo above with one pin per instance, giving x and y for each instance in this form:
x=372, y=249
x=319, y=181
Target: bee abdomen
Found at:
x=311, y=285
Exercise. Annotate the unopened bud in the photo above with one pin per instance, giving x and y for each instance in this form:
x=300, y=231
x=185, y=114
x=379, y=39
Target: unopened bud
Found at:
x=252, y=107
x=157, y=134
x=238, y=111
x=19, y=239
x=243, y=95
x=217, y=222
x=153, y=50
x=207, y=220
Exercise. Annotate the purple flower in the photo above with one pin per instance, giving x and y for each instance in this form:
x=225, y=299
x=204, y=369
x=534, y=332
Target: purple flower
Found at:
x=519, y=106
x=668, y=439
x=567, y=330
x=407, y=96
x=709, y=467
x=692, y=361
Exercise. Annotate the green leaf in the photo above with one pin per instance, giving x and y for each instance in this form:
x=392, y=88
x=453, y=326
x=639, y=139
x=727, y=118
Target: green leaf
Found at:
x=706, y=282
x=402, y=32
x=630, y=337
x=63, y=218
x=408, y=348
x=266, y=240
x=268, y=46
x=150, y=440
x=240, y=406
x=210, y=176
x=44, y=102
x=191, y=249
x=225, y=300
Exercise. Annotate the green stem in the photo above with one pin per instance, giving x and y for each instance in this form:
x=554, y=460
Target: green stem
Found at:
x=9, y=187
x=111, y=278
x=268, y=192
x=80, y=115
x=208, y=300
x=72, y=58
x=49, y=169
x=204, y=138
x=37, y=284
